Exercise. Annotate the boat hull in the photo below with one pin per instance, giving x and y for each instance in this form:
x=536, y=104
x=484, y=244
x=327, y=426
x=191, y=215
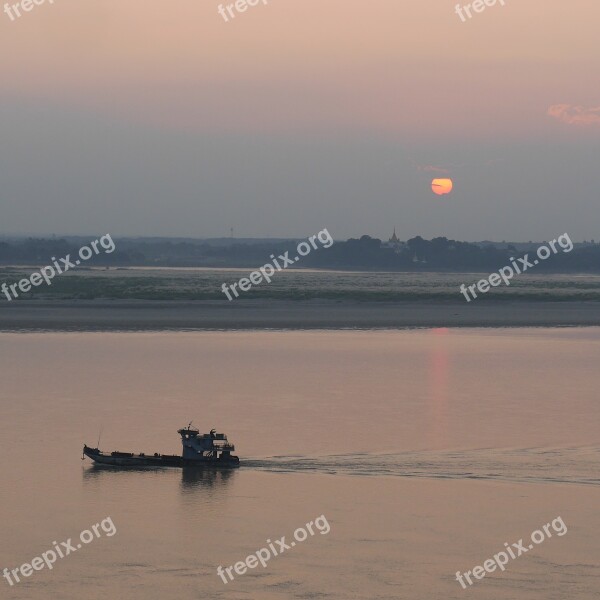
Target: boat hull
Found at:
x=122, y=460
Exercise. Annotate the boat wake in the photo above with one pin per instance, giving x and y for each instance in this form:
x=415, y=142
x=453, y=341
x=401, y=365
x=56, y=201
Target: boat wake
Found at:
x=576, y=465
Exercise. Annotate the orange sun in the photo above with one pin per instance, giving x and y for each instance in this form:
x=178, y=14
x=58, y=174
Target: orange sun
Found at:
x=441, y=186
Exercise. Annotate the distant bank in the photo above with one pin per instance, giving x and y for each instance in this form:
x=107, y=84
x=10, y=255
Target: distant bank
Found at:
x=364, y=253
x=143, y=315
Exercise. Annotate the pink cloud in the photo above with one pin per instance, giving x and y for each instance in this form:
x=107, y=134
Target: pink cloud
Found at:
x=575, y=115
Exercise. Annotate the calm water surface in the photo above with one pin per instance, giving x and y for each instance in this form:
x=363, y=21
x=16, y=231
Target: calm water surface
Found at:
x=425, y=450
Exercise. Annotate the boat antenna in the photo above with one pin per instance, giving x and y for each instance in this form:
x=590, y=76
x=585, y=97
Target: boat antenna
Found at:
x=99, y=436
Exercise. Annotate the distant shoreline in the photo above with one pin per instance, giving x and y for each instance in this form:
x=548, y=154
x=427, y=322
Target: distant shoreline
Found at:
x=149, y=315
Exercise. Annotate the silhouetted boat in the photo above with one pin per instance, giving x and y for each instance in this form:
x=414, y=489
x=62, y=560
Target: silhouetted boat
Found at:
x=202, y=450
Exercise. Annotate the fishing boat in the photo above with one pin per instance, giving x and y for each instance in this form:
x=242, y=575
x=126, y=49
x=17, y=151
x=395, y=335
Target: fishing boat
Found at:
x=202, y=450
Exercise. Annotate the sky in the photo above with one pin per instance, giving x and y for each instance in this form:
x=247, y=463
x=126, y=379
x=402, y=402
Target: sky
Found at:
x=147, y=118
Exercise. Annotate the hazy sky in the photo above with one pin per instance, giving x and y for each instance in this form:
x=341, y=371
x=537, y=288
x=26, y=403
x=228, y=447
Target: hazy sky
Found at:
x=140, y=117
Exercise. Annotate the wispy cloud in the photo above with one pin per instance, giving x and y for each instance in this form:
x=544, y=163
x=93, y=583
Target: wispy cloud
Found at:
x=575, y=115
x=432, y=169
x=429, y=168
